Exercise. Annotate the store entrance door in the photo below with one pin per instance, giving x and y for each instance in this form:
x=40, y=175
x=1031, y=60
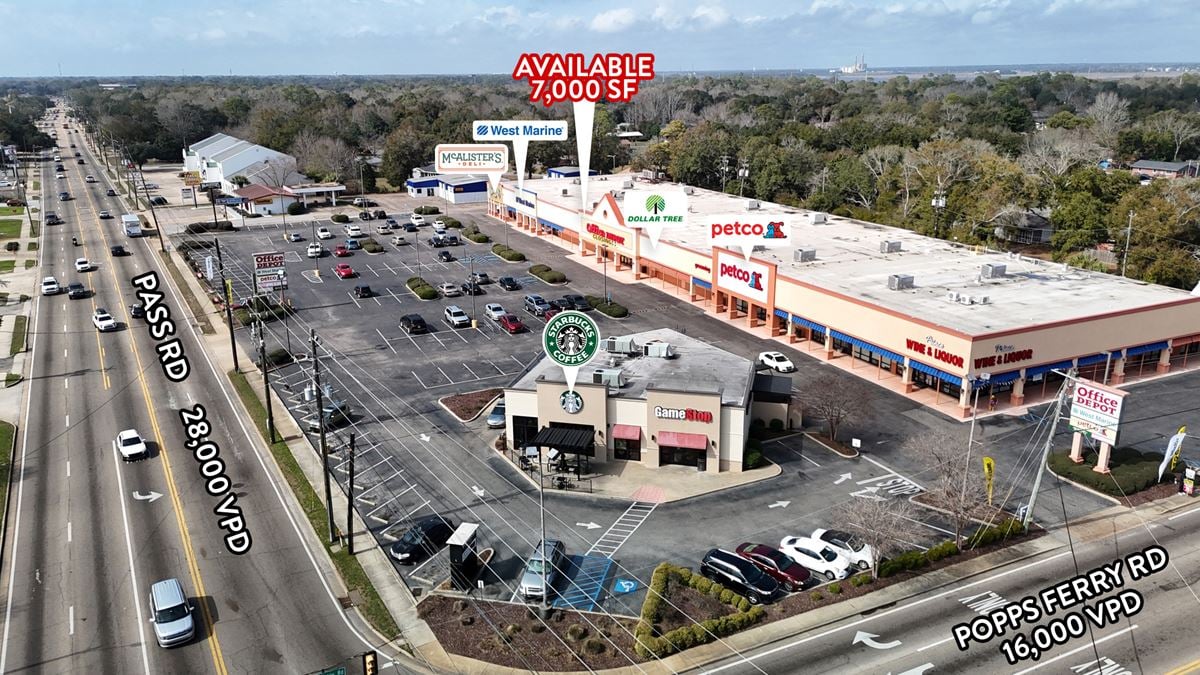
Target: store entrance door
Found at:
x=680, y=456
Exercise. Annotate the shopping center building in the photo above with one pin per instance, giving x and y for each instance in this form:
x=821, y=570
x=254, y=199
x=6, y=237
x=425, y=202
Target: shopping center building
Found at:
x=931, y=319
x=657, y=397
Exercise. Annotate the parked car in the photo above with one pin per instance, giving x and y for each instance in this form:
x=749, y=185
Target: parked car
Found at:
x=495, y=419
x=76, y=291
x=409, y=227
x=363, y=291
x=295, y=236
x=105, y=215
x=103, y=321
x=456, y=318
x=353, y=245
x=340, y=251
x=399, y=241
x=543, y=569
x=131, y=446
x=384, y=228
x=858, y=553
x=817, y=556
x=50, y=286
x=549, y=312
x=171, y=614
x=423, y=540
x=511, y=323
x=364, y=215
x=536, y=304
x=445, y=256
x=480, y=278
x=776, y=361
x=413, y=323
x=436, y=241
x=380, y=214
x=449, y=290
x=578, y=302
x=790, y=574
x=324, y=233
x=494, y=311
x=471, y=288
x=562, y=304
x=353, y=231
x=343, y=271
x=739, y=575
x=417, y=219
x=363, y=202
x=315, y=250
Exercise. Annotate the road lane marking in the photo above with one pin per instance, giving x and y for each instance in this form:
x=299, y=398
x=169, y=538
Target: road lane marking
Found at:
x=1080, y=648
x=934, y=644
x=68, y=421
x=68, y=531
x=71, y=620
x=1185, y=513
x=134, y=588
x=68, y=468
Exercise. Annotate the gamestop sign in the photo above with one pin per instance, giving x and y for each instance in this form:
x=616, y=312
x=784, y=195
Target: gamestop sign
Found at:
x=1096, y=411
x=747, y=279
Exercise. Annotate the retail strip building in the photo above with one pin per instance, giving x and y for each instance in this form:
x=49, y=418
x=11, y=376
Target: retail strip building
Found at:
x=929, y=318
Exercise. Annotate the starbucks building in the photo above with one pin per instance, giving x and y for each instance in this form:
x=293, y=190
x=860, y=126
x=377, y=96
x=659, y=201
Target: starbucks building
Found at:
x=657, y=398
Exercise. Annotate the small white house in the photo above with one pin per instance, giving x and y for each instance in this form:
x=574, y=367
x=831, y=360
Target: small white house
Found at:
x=265, y=200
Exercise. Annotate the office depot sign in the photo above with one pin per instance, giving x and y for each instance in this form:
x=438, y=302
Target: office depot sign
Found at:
x=1096, y=411
x=746, y=279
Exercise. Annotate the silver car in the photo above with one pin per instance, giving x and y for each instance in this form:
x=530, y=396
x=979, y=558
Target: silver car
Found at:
x=171, y=614
x=543, y=569
x=495, y=419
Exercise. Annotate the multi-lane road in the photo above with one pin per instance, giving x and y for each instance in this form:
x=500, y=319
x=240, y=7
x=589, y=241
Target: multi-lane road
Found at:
x=88, y=533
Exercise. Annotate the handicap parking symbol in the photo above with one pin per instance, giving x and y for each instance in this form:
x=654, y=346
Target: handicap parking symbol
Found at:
x=625, y=586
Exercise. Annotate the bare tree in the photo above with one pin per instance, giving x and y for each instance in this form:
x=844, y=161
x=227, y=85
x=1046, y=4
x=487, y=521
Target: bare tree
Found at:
x=1055, y=152
x=837, y=400
x=1180, y=127
x=957, y=486
x=943, y=163
x=276, y=173
x=882, y=524
x=1109, y=115
x=881, y=158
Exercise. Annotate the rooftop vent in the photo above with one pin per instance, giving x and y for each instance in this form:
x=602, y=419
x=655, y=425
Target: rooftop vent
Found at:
x=899, y=282
x=751, y=204
x=619, y=195
x=565, y=191
x=658, y=349
x=993, y=271
x=612, y=377
x=620, y=345
x=889, y=247
x=952, y=296
x=805, y=255
x=689, y=190
x=819, y=218
x=628, y=185
x=575, y=181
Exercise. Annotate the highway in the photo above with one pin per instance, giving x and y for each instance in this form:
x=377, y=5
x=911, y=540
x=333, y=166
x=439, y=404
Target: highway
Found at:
x=88, y=534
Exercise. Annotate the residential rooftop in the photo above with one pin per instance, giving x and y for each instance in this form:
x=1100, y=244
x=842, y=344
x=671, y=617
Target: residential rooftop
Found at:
x=696, y=367
x=849, y=261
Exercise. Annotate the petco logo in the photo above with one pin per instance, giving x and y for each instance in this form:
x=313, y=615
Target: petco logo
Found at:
x=771, y=230
x=752, y=279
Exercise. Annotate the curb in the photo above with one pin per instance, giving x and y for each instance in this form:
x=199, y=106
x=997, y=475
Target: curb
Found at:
x=472, y=419
x=814, y=439
x=1085, y=488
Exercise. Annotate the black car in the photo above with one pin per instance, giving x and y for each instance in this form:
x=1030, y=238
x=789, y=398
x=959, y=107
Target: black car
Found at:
x=52, y=218
x=423, y=540
x=445, y=256
x=76, y=291
x=158, y=201
x=578, y=302
x=363, y=291
x=137, y=311
x=77, y=154
x=110, y=192
x=739, y=575
x=508, y=283
x=409, y=227
x=413, y=323
x=380, y=214
x=437, y=242
x=561, y=303
x=364, y=215
x=117, y=251
x=481, y=278
x=80, y=161
x=471, y=288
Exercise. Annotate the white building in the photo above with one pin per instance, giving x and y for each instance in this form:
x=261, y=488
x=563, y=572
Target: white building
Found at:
x=220, y=157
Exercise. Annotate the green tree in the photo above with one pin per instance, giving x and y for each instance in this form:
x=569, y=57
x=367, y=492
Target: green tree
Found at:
x=403, y=151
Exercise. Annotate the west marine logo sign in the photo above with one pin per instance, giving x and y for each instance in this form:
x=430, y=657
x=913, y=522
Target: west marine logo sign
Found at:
x=474, y=158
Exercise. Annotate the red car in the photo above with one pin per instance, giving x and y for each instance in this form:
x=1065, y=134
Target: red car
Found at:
x=341, y=251
x=549, y=312
x=343, y=271
x=790, y=574
x=511, y=323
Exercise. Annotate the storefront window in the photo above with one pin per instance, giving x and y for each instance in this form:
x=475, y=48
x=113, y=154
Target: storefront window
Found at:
x=680, y=456
x=627, y=450
x=524, y=430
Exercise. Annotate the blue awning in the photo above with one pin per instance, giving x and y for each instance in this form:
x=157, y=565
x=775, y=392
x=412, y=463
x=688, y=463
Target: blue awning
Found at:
x=1094, y=358
x=1003, y=378
x=545, y=223
x=862, y=344
x=702, y=283
x=1142, y=349
x=808, y=324
x=1045, y=368
x=781, y=314
x=930, y=370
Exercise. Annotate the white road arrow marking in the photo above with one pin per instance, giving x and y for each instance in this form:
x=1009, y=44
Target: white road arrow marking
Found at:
x=590, y=526
x=479, y=492
x=146, y=498
x=867, y=493
x=841, y=478
x=779, y=505
x=916, y=671
x=425, y=437
x=868, y=639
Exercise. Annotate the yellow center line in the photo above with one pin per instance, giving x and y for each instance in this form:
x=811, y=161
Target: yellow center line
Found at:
x=1186, y=668
x=193, y=567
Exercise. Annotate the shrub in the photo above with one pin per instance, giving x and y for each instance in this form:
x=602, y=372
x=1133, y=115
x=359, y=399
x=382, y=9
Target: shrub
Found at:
x=776, y=424
x=752, y=459
x=835, y=589
x=555, y=278
x=479, y=238
x=371, y=246
x=999, y=532
x=743, y=604
x=512, y=629
x=452, y=223
x=296, y=209
x=816, y=596
x=200, y=228
x=726, y=596
x=576, y=632
x=539, y=269
x=427, y=210
x=426, y=293
x=909, y=560
x=536, y=627
x=340, y=218
x=593, y=646
x=701, y=584
x=466, y=619
x=860, y=580
x=757, y=422
x=508, y=253
x=414, y=282
x=460, y=606
x=279, y=357
x=612, y=309
x=942, y=550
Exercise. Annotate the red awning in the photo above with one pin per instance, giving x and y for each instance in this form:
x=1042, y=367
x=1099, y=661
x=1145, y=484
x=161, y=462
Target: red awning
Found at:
x=677, y=439
x=626, y=432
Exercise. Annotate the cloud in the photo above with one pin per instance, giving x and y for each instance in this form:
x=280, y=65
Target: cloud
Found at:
x=501, y=16
x=710, y=16
x=613, y=20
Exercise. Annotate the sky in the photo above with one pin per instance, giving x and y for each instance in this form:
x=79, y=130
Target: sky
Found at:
x=268, y=37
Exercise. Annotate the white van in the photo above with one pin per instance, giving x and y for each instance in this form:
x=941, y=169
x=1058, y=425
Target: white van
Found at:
x=132, y=225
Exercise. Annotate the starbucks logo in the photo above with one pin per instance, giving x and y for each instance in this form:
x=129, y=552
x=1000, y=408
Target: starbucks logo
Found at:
x=571, y=402
x=571, y=338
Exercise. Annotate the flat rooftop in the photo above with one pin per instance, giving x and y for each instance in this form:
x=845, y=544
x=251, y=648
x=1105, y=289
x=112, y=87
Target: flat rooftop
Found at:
x=696, y=367
x=848, y=261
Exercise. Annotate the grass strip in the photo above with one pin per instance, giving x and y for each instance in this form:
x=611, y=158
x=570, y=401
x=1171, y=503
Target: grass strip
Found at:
x=11, y=210
x=347, y=565
x=11, y=378
x=10, y=228
x=193, y=304
x=31, y=246
x=18, y=335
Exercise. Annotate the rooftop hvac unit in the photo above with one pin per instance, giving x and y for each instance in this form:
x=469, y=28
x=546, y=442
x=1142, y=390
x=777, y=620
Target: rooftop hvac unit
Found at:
x=994, y=271
x=819, y=219
x=575, y=181
x=689, y=190
x=983, y=299
x=647, y=174
x=751, y=204
x=612, y=377
x=899, y=282
x=804, y=255
x=619, y=194
x=952, y=296
x=620, y=345
x=964, y=299
x=660, y=350
x=628, y=185
x=889, y=247
x=565, y=191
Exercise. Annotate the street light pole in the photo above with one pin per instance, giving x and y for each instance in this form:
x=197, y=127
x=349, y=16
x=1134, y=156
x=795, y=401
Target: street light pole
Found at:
x=228, y=305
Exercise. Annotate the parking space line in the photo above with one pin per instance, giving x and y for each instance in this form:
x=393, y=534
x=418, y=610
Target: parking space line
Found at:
x=400, y=494
x=455, y=332
x=394, y=296
x=355, y=301
x=514, y=359
x=418, y=379
x=444, y=374
x=386, y=341
x=415, y=344
x=438, y=339
x=932, y=527
x=471, y=371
